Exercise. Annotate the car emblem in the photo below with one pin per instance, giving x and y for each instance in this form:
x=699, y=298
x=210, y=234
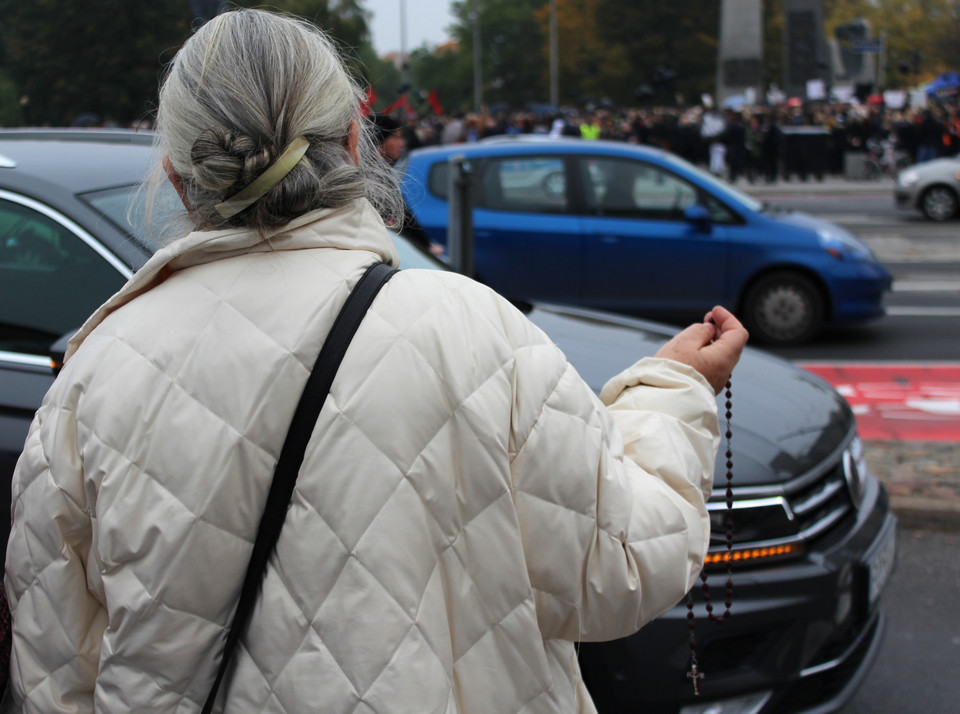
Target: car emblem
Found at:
x=852, y=475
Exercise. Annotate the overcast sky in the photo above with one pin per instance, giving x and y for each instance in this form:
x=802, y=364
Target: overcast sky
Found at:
x=426, y=22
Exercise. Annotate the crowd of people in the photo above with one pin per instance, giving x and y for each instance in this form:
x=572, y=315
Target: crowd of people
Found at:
x=749, y=142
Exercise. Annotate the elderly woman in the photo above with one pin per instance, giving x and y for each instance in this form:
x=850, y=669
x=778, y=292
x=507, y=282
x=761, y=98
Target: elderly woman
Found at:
x=466, y=510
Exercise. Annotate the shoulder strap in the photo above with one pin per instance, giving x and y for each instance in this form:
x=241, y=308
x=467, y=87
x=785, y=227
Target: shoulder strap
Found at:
x=294, y=447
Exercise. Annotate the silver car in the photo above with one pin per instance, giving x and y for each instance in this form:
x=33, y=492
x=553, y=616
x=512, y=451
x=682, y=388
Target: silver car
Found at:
x=933, y=188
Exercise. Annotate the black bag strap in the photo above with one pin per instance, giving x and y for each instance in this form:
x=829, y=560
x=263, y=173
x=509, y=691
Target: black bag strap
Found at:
x=294, y=447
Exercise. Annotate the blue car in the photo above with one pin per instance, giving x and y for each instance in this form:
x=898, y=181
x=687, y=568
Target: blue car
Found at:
x=637, y=230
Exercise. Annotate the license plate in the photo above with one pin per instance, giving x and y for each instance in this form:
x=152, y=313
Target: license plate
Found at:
x=880, y=561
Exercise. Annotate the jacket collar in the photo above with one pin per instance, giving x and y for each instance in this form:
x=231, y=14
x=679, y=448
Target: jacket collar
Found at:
x=356, y=226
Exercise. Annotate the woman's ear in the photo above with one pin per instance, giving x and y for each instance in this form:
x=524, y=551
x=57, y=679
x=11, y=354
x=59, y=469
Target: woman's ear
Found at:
x=353, y=138
x=175, y=179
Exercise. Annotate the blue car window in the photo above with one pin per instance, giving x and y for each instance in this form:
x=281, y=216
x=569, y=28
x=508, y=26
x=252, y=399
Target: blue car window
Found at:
x=627, y=188
x=438, y=179
x=527, y=183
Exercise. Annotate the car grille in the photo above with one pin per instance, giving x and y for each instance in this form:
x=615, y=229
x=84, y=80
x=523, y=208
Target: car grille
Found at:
x=795, y=513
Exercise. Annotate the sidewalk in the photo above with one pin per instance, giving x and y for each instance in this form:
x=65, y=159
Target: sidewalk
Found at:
x=829, y=185
x=922, y=478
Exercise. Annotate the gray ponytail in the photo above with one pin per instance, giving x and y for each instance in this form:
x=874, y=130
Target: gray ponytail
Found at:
x=236, y=94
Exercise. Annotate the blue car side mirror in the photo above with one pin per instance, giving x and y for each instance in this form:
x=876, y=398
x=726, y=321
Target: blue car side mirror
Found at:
x=699, y=216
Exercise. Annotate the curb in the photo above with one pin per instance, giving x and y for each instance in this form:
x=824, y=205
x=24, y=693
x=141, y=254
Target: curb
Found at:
x=926, y=513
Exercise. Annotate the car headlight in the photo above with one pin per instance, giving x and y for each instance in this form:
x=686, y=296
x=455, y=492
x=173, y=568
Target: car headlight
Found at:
x=842, y=245
x=907, y=178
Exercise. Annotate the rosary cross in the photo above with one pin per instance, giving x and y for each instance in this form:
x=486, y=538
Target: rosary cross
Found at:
x=696, y=675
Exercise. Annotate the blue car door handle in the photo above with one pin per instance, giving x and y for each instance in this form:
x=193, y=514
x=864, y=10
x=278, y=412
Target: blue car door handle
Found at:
x=609, y=239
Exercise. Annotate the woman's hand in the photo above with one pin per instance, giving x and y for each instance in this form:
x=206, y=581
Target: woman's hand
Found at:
x=712, y=347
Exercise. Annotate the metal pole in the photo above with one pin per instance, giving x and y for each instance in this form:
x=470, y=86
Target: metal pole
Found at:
x=882, y=62
x=460, y=215
x=477, y=69
x=404, y=60
x=554, y=56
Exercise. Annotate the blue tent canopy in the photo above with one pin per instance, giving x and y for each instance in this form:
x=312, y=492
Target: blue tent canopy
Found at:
x=946, y=83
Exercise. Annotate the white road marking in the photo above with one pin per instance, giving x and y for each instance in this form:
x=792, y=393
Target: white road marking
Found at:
x=926, y=286
x=924, y=311
x=935, y=406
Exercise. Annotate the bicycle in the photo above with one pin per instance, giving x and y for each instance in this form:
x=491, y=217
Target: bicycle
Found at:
x=884, y=159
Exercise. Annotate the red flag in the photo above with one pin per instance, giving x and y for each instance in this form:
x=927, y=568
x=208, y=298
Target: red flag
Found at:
x=366, y=106
x=400, y=102
x=435, y=102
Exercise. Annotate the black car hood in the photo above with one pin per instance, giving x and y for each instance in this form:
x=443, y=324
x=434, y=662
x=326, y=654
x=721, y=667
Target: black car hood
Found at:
x=786, y=421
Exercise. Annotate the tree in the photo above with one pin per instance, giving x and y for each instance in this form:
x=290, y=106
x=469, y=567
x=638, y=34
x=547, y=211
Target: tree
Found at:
x=511, y=41
x=344, y=21
x=105, y=57
x=928, y=27
x=681, y=37
x=101, y=56
x=446, y=69
x=590, y=69
x=9, y=102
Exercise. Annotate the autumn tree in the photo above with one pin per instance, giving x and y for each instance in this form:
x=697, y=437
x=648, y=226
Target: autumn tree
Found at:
x=921, y=36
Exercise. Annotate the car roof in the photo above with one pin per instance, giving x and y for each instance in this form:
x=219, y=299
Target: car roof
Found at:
x=519, y=147
x=76, y=160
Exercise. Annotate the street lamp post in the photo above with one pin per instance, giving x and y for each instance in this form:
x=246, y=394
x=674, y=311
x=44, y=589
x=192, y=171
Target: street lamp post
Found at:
x=554, y=57
x=404, y=59
x=477, y=69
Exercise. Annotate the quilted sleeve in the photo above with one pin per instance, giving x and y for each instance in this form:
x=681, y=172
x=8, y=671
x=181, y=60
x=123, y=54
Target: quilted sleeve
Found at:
x=611, y=499
x=57, y=622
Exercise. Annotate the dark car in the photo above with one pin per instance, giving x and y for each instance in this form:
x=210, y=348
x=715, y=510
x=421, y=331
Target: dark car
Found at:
x=636, y=230
x=813, y=540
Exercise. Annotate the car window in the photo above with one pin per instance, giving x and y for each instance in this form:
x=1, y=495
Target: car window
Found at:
x=719, y=213
x=527, y=183
x=125, y=206
x=50, y=279
x=634, y=189
x=438, y=180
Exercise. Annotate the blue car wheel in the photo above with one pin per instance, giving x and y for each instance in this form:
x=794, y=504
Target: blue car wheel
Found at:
x=784, y=307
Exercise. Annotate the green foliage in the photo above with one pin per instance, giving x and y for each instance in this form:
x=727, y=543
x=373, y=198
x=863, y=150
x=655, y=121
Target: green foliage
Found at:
x=9, y=102
x=106, y=56
x=344, y=21
x=930, y=27
x=449, y=71
x=511, y=44
x=678, y=36
x=99, y=56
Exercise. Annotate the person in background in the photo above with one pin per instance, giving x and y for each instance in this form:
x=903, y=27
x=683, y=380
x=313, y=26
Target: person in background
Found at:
x=467, y=508
x=392, y=146
x=390, y=138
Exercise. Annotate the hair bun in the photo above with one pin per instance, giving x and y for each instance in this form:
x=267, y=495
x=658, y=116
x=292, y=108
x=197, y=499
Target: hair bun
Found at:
x=227, y=160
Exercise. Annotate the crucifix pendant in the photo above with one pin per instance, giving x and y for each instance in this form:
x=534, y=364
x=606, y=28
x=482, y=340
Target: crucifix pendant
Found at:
x=696, y=675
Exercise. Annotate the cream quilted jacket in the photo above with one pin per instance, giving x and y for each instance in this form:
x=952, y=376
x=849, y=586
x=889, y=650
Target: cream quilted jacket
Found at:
x=467, y=508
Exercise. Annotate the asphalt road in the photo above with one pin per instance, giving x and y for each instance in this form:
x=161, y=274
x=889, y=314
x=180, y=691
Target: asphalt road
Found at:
x=923, y=320
x=916, y=670
x=916, y=667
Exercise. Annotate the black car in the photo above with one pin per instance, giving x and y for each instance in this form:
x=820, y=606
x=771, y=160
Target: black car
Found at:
x=813, y=539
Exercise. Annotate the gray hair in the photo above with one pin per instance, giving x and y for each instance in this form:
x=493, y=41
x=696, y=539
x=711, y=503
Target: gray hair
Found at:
x=243, y=87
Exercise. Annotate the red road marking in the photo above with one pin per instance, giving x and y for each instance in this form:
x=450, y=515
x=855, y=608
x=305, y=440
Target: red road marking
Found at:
x=899, y=401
